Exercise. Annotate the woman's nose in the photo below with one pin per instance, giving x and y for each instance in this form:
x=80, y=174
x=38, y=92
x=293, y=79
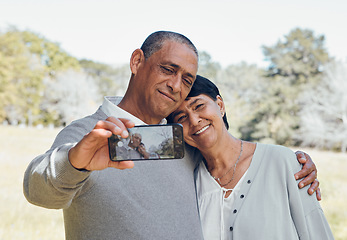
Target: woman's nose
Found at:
x=194, y=119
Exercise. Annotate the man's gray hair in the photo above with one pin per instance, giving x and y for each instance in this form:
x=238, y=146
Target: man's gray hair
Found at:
x=154, y=42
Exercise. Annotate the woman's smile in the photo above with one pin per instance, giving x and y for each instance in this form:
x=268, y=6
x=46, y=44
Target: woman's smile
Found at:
x=202, y=130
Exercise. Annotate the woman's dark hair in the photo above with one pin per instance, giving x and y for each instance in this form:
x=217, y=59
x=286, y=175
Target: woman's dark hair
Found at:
x=203, y=86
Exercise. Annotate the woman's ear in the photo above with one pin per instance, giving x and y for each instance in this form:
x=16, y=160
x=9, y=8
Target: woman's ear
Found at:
x=136, y=60
x=221, y=105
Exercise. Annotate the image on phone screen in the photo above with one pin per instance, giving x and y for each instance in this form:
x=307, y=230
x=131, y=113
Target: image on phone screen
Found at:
x=148, y=142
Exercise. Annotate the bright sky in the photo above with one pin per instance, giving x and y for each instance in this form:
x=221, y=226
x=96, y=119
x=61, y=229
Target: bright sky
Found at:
x=230, y=31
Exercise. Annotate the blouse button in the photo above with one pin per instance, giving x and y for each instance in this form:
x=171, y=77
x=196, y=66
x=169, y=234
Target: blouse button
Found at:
x=242, y=196
x=249, y=181
x=235, y=211
x=231, y=228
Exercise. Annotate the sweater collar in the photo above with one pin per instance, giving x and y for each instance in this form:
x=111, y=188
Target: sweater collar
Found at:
x=110, y=108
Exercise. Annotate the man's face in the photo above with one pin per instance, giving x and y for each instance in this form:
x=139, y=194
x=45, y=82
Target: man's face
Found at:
x=136, y=140
x=166, y=77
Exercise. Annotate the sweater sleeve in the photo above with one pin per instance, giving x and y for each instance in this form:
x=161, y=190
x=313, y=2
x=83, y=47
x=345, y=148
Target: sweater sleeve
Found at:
x=307, y=214
x=50, y=180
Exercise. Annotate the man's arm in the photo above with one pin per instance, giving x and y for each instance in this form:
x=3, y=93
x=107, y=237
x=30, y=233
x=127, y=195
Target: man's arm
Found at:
x=309, y=173
x=53, y=179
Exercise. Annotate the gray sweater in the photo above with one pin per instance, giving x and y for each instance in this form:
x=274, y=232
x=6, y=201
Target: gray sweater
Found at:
x=154, y=200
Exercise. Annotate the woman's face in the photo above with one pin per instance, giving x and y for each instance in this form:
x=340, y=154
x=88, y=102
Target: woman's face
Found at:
x=202, y=120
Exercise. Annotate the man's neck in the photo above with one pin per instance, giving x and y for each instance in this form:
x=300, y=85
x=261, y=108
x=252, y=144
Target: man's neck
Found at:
x=128, y=106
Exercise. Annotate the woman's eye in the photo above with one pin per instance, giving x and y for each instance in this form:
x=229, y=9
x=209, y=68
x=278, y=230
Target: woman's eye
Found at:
x=199, y=106
x=181, y=118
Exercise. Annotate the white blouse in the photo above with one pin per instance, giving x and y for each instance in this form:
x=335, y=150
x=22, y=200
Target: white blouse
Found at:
x=215, y=210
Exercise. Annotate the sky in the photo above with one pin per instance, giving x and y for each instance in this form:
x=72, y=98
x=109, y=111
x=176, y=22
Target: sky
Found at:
x=231, y=31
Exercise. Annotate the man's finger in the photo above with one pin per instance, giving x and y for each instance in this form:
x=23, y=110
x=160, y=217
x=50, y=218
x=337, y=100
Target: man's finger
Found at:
x=123, y=124
x=318, y=194
x=301, y=157
x=121, y=164
x=314, y=186
x=308, y=180
x=117, y=126
x=307, y=168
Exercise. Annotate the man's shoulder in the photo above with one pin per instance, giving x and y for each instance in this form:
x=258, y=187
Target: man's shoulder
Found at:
x=78, y=128
x=89, y=121
x=192, y=154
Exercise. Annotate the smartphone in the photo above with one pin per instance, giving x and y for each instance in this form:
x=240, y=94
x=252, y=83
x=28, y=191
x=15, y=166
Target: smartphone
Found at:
x=148, y=142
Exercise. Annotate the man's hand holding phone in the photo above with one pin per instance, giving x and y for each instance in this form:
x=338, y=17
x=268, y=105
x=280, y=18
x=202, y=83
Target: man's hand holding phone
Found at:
x=92, y=153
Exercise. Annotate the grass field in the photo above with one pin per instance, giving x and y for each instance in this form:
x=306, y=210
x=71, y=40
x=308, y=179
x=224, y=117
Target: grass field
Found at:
x=21, y=220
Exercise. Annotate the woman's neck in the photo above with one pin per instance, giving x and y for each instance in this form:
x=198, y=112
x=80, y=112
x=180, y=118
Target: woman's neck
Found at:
x=223, y=154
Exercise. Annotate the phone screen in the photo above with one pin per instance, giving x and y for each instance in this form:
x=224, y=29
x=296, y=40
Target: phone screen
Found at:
x=148, y=142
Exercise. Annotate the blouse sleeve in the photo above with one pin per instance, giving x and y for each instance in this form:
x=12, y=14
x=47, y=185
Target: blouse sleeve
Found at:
x=307, y=214
x=317, y=225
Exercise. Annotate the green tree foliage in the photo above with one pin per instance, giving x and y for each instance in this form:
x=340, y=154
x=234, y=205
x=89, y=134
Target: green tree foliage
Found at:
x=25, y=60
x=20, y=78
x=241, y=86
x=299, y=58
x=207, y=67
x=110, y=80
x=296, y=64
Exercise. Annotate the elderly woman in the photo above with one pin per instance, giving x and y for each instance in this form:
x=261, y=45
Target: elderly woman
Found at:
x=245, y=190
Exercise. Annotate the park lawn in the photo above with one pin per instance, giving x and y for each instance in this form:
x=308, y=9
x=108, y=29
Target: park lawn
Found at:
x=21, y=220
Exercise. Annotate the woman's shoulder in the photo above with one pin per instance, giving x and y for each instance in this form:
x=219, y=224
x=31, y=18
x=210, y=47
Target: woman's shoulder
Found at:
x=275, y=150
x=279, y=154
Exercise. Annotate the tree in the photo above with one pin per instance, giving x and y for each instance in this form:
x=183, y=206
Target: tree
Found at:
x=324, y=114
x=110, y=80
x=241, y=86
x=296, y=65
x=299, y=58
x=207, y=67
x=25, y=60
x=69, y=95
x=20, y=79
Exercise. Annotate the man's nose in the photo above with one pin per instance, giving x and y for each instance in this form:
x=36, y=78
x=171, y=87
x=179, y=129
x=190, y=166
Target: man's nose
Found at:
x=174, y=83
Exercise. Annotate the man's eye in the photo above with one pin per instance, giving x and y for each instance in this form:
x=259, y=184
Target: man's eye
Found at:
x=187, y=82
x=167, y=70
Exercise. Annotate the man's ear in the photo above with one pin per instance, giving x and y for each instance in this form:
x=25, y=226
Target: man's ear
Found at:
x=137, y=58
x=221, y=105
